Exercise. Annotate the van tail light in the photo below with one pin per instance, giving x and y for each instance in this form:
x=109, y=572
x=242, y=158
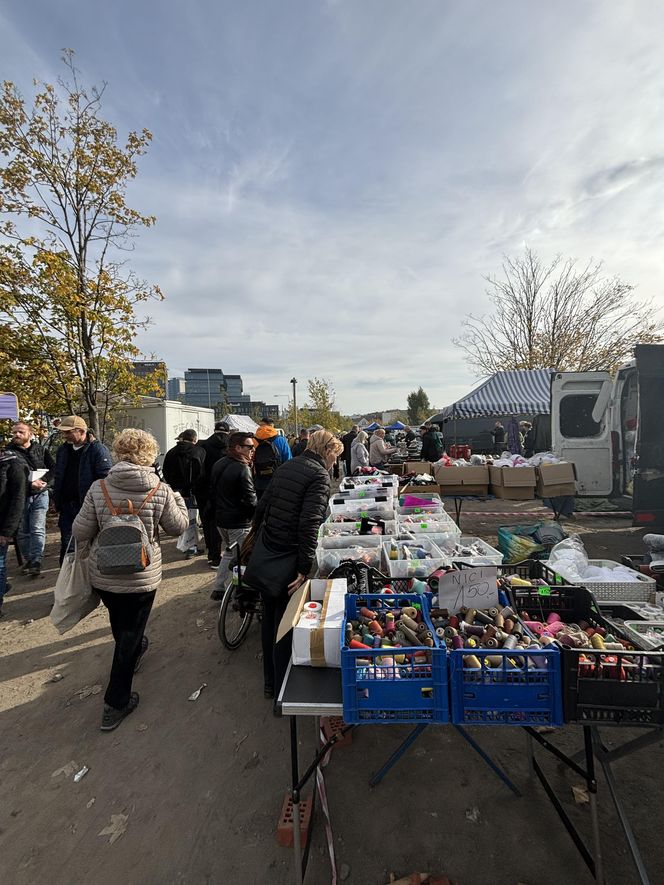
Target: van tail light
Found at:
x=645, y=517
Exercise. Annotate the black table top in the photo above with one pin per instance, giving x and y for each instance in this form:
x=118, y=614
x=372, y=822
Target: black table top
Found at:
x=311, y=691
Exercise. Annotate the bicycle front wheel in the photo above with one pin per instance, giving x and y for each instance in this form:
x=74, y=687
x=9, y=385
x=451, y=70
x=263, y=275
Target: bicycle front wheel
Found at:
x=233, y=621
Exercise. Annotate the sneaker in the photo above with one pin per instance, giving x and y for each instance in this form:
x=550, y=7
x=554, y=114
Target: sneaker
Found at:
x=139, y=659
x=217, y=595
x=112, y=717
x=213, y=565
x=35, y=570
x=25, y=568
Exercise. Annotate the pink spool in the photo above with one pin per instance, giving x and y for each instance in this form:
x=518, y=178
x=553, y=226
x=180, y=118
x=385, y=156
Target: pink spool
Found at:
x=553, y=617
x=535, y=627
x=555, y=627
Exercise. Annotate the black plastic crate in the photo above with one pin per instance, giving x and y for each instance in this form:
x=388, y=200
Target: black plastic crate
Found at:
x=607, y=687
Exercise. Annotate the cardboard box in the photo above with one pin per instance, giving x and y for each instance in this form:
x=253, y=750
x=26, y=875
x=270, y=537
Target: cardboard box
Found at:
x=397, y=469
x=556, y=480
x=319, y=646
x=410, y=489
x=463, y=480
x=513, y=483
x=418, y=467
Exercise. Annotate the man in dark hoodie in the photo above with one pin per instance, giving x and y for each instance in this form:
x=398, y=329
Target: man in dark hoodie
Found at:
x=32, y=531
x=215, y=447
x=183, y=468
x=233, y=497
x=13, y=489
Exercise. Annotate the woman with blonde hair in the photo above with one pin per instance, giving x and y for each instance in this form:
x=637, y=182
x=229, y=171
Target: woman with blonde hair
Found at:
x=359, y=454
x=286, y=523
x=131, y=486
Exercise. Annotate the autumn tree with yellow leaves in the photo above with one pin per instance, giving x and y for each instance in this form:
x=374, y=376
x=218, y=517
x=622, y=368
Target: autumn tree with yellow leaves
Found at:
x=68, y=301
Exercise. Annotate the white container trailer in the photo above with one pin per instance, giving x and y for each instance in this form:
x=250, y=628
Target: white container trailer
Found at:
x=165, y=420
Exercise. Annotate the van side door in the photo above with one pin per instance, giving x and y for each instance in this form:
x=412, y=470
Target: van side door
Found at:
x=580, y=430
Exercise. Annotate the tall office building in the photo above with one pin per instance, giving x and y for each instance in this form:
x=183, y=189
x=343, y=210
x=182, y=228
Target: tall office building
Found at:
x=155, y=368
x=204, y=387
x=176, y=389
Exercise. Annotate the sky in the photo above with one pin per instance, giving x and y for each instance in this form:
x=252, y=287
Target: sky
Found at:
x=333, y=179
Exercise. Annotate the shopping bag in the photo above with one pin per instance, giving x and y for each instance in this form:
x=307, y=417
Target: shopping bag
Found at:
x=189, y=537
x=74, y=596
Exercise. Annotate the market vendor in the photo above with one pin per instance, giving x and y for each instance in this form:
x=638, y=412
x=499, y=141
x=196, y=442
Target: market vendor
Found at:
x=379, y=452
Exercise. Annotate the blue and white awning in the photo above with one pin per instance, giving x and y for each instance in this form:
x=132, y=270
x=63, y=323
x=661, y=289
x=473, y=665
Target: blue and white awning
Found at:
x=523, y=392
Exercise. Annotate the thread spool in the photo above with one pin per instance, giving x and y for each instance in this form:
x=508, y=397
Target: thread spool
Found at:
x=508, y=625
x=493, y=611
x=483, y=617
x=410, y=611
x=312, y=607
x=367, y=613
x=491, y=642
x=510, y=641
x=597, y=641
x=553, y=617
x=440, y=632
x=457, y=641
x=535, y=627
x=450, y=632
x=469, y=616
x=499, y=620
x=409, y=622
x=508, y=612
x=472, y=662
x=473, y=629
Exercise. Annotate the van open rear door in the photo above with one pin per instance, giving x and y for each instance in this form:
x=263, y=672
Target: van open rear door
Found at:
x=649, y=474
x=580, y=430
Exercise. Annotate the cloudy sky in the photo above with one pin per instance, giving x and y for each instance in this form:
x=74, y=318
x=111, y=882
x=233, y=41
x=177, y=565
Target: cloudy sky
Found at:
x=333, y=178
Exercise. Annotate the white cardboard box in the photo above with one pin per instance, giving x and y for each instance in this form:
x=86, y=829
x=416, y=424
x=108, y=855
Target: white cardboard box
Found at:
x=319, y=646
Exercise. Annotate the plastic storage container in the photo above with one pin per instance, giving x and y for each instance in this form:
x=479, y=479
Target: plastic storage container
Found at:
x=366, y=492
x=461, y=552
x=328, y=560
x=415, y=567
x=332, y=535
x=607, y=688
x=524, y=689
x=408, y=692
x=639, y=590
x=353, y=511
x=389, y=480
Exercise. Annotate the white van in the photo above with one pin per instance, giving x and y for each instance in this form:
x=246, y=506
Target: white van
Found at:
x=612, y=428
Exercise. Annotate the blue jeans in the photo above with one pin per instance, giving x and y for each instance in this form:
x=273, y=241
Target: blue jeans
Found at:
x=3, y=570
x=68, y=513
x=31, y=534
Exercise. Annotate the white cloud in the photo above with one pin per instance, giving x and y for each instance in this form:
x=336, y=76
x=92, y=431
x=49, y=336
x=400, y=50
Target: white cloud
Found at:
x=332, y=182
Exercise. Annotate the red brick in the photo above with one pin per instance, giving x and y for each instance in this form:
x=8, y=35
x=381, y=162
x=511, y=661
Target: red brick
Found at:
x=285, y=825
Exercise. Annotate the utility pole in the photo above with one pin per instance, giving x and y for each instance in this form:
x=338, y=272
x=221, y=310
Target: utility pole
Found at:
x=293, y=381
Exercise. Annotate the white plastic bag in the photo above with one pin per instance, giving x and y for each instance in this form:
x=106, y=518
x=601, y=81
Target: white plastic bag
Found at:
x=569, y=559
x=74, y=596
x=189, y=537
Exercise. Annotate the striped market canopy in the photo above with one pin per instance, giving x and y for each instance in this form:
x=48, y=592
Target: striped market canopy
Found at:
x=522, y=392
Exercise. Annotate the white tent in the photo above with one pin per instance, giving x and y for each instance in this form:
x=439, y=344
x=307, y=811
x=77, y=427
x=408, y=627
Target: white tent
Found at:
x=240, y=422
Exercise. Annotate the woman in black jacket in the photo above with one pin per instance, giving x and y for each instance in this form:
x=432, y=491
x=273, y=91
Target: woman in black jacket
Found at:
x=289, y=515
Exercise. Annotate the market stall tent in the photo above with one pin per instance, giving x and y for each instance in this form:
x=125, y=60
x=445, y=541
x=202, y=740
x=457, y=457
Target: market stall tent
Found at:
x=396, y=426
x=240, y=422
x=371, y=427
x=519, y=392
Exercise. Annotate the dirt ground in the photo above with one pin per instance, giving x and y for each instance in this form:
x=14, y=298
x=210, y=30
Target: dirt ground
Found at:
x=190, y=792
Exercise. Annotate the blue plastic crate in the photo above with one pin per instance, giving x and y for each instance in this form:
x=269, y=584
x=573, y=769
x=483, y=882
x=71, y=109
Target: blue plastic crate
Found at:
x=526, y=689
x=408, y=692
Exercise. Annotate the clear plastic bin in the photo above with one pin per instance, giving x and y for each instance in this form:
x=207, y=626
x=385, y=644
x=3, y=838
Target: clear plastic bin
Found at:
x=354, y=511
x=413, y=567
x=343, y=534
x=390, y=480
x=419, y=524
x=365, y=492
x=461, y=551
x=328, y=560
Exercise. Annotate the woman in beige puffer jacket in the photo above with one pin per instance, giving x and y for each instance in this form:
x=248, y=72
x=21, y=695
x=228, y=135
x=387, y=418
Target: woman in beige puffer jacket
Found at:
x=129, y=598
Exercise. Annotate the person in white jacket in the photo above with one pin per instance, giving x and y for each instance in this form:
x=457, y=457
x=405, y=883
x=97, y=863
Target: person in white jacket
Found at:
x=378, y=451
x=359, y=454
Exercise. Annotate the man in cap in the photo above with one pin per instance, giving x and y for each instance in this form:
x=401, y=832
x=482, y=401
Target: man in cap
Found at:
x=79, y=462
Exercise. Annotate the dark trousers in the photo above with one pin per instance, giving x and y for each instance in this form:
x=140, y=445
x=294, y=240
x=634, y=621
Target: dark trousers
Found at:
x=275, y=654
x=128, y=613
x=212, y=538
x=67, y=515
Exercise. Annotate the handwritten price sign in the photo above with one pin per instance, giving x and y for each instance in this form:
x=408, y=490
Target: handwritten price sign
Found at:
x=472, y=587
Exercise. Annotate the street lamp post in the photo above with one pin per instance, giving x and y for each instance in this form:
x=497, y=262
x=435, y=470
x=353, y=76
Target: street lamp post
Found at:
x=293, y=381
